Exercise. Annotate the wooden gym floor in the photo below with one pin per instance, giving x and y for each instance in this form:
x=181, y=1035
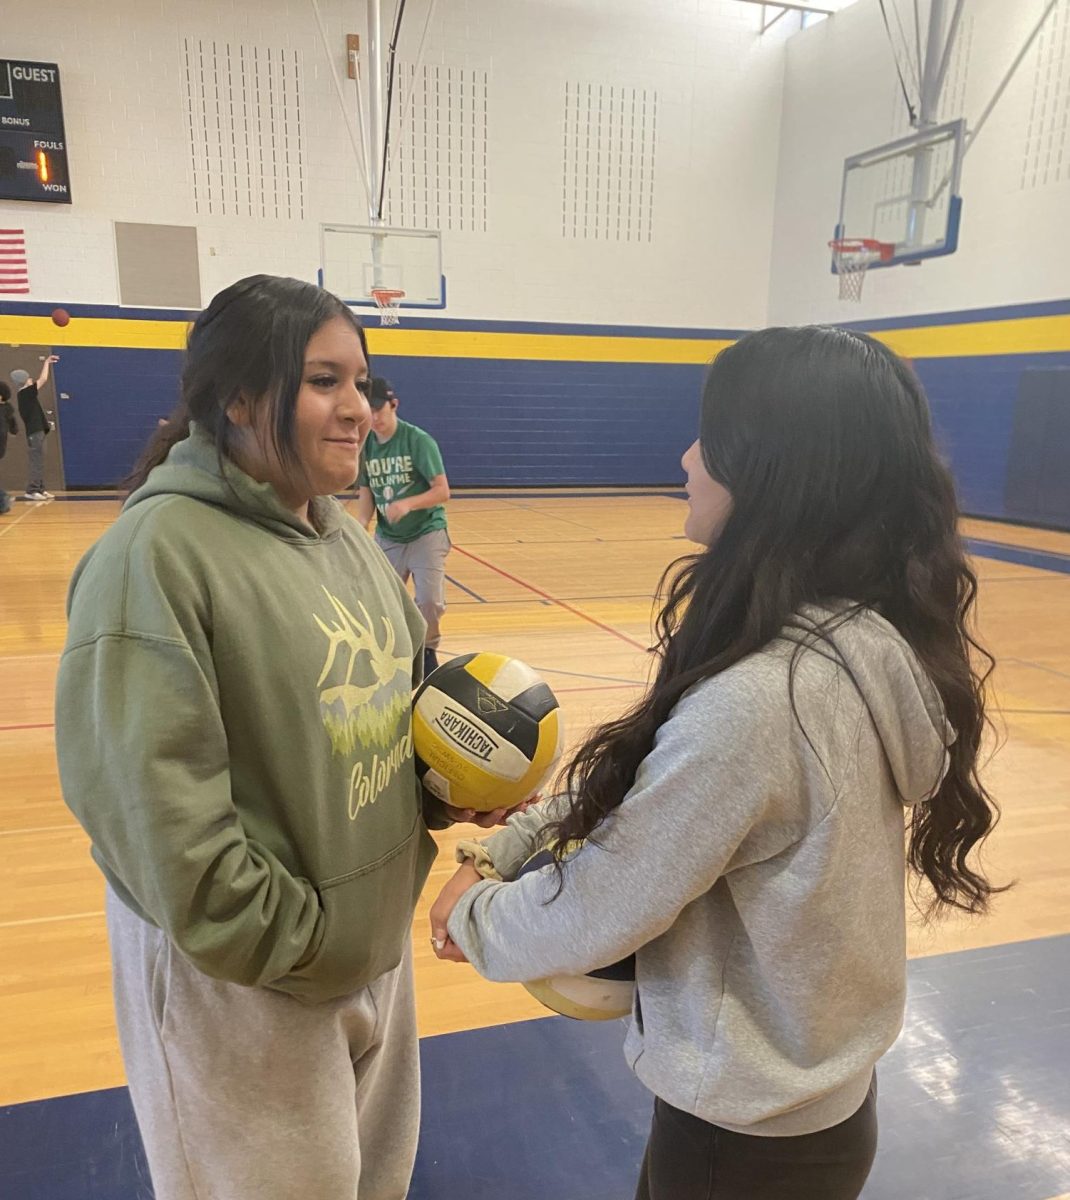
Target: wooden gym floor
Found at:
x=564, y=581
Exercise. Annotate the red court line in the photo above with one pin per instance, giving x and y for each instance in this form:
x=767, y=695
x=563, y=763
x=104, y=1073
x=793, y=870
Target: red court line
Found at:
x=12, y=728
x=553, y=599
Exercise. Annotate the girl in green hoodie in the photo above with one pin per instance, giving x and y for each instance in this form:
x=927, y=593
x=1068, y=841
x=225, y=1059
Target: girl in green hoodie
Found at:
x=233, y=730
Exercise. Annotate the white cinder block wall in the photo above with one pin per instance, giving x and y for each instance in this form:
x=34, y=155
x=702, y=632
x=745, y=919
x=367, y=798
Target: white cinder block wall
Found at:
x=841, y=97
x=718, y=111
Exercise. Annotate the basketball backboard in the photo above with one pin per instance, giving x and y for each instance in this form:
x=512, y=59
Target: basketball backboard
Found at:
x=905, y=194
x=354, y=259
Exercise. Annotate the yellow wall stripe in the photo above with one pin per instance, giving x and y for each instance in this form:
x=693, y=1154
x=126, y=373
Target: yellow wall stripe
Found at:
x=114, y=332
x=548, y=347
x=1023, y=335
x=103, y=332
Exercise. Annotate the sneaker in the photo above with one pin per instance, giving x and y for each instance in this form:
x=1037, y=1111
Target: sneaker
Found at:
x=30, y=496
x=43, y=495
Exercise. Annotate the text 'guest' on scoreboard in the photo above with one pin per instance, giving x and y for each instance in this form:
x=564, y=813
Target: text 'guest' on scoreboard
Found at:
x=33, y=144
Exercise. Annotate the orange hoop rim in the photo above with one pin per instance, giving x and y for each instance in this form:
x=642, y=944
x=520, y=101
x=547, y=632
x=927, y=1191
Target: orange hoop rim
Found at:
x=883, y=250
x=387, y=295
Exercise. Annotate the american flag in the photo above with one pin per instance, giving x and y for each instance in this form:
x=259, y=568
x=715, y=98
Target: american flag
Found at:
x=14, y=271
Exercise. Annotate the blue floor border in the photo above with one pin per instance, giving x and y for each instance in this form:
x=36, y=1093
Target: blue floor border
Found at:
x=973, y=1103
x=1022, y=556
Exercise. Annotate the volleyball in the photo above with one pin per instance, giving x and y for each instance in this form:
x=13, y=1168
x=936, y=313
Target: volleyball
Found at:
x=605, y=994
x=487, y=732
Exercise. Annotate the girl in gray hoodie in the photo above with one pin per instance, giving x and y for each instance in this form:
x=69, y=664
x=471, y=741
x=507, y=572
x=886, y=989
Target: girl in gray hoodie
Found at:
x=742, y=827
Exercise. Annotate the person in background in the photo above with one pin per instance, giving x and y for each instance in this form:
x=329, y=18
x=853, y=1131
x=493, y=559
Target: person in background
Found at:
x=8, y=427
x=403, y=482
x=36, y=425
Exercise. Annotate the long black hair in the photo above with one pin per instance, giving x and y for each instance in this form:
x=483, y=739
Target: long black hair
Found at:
x=250, y=341
x=823, y=439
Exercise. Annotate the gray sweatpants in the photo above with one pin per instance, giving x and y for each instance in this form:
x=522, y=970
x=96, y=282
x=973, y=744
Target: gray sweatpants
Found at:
x=425, y=560
x=247, y=1094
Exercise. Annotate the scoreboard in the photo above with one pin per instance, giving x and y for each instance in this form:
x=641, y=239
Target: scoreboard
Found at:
x=33, y=144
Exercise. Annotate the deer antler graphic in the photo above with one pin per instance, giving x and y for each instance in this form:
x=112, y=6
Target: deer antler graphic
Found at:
x=357, y=637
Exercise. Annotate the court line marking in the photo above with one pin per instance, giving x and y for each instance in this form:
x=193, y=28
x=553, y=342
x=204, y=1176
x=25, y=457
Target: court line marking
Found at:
x=552, y=516
x=1035, y=712
x=558, y=670
x=602, y=599
x=598, y=687
x=990, y=579
x=576, y=599
x=1026, y=662
x=586, y=675
x=605, y=541
x=522, y=499
x=468, y=590
x=614, y=685
x=49, y=920
x=40, y=829
x=553, y=599
x=673, y=491
x=31, y=507
x=547, y=670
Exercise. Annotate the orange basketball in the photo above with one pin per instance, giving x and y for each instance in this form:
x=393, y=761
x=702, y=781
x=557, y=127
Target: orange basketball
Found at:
x=60, y=317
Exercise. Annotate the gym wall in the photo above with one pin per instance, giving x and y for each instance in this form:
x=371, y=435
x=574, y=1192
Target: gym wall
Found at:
x=995, y=355
x=598, y=171
x=573, y=345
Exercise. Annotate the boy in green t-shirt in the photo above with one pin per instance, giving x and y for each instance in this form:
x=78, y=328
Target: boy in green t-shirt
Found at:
x=403, y=483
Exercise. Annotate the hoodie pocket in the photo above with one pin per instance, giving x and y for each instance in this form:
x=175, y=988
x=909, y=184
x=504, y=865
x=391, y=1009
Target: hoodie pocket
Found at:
x=367, y=914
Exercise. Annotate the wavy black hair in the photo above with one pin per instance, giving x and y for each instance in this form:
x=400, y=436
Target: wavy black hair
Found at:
x=823, y=438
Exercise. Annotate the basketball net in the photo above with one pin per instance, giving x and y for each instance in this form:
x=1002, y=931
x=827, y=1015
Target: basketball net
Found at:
x=853, y=257
x=388, y=302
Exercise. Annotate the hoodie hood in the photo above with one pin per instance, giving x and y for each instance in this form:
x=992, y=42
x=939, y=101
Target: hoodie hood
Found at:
x=194, y=469
x=902, y=700
x=20, y=379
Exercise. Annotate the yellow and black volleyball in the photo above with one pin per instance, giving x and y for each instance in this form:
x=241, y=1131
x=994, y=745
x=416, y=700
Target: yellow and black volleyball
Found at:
x=604, y=994
x=487, y=732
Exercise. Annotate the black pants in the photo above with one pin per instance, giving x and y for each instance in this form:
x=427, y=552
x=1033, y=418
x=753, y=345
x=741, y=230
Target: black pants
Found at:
x=689, y=1159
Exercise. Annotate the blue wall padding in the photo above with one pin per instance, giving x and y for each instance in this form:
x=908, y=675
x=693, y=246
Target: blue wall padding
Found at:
x=1038, y=466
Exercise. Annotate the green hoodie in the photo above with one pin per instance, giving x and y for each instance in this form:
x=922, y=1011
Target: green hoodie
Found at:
x=233, y=729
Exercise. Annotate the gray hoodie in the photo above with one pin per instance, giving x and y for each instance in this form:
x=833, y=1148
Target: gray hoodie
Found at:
x=758, y=878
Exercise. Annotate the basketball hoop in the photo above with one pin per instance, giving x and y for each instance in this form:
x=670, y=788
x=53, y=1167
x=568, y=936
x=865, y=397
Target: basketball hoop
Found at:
x=388, y=302
x=852, y=258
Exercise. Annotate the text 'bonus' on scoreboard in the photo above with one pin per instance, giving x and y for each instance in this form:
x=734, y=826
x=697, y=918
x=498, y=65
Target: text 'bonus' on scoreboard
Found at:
x=33, y=144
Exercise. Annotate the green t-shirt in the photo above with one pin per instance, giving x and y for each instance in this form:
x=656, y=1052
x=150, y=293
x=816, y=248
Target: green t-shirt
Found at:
x=402, y=467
